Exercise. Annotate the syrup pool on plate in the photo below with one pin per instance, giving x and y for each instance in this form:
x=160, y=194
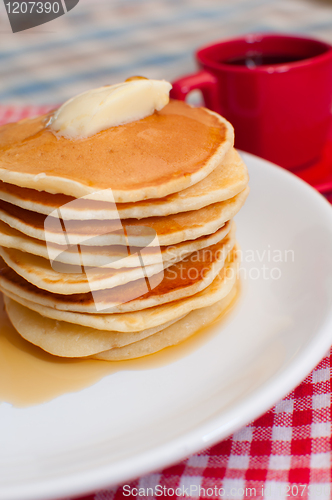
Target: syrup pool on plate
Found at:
x=30, y=376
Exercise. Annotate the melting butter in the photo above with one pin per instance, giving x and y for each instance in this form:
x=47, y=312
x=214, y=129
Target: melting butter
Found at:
x=98, y=109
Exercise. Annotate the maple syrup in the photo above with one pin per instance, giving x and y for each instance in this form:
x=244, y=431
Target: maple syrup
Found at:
x=30, y=376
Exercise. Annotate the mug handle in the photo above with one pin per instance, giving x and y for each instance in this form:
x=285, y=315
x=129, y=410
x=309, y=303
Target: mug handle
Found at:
x=202, y=80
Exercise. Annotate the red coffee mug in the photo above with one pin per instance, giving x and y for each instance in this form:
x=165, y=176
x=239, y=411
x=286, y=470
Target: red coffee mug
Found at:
x=276, y=90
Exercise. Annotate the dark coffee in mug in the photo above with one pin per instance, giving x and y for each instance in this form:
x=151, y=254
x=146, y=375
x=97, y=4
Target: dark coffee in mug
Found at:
x=253, y=59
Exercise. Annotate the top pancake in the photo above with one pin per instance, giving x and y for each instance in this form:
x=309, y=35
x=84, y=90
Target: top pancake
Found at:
x=150, y=158
x=226, y=181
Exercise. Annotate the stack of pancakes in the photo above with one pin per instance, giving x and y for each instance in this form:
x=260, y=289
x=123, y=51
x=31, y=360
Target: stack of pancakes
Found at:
x=121, y=244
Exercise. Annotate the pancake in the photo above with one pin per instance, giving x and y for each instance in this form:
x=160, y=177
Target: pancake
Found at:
x=181, y=280
x=226, y=181
x=72, y=279
x=174, y=334
x=170, y=230
x=161, y=154
x=115, y=256
x=147, y=318
x=65, y=339
x=40, y=273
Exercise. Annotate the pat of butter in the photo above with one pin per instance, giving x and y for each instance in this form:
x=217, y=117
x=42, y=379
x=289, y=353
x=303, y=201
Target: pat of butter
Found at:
x=110, y=106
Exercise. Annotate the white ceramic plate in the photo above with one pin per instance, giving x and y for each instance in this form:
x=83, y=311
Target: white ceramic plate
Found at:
x=133, y=422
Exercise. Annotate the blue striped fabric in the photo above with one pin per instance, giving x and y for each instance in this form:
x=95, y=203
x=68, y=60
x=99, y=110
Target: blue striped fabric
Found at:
x=105, y=41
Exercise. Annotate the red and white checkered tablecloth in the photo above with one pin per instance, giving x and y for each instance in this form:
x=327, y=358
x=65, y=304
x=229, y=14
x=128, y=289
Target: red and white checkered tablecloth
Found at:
x=285, y=454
